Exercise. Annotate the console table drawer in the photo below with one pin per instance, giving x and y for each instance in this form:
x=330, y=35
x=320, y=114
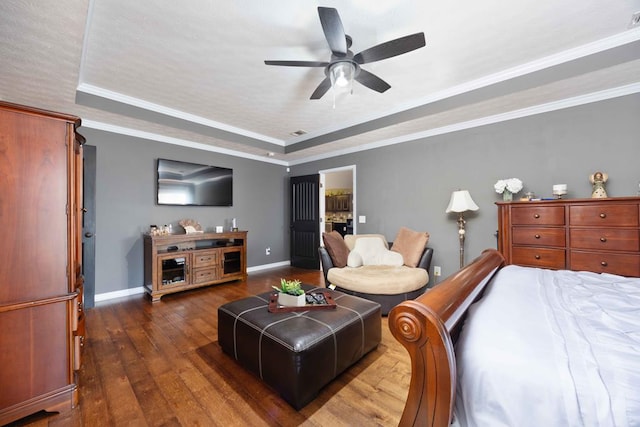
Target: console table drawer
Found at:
x=609, y=215
x=537, y=215
x=600, y=262
x=539, y=236
x=203, y=275
x=205, y=259
x=605, y=239
x=538, y=257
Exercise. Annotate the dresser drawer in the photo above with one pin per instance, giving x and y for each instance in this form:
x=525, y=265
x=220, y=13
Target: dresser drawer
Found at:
x=605, y=262
x=605, y=239
x=609, y=215
x=538, y=257
x=204, y=275
x=539, y=236
x=537, y=215
x=205, y=259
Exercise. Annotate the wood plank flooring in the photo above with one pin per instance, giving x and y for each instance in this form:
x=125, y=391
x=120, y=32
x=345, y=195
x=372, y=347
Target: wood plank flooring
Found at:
x=160, y=365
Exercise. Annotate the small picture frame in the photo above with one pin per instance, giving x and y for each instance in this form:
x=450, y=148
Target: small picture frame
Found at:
x=219, y=229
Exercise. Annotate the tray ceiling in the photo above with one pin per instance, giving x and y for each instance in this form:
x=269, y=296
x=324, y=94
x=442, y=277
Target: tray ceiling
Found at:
x=193, y=73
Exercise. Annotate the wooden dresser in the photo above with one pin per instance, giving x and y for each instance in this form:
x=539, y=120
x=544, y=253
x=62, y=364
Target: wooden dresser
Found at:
x=600, y=235
x=41, y=316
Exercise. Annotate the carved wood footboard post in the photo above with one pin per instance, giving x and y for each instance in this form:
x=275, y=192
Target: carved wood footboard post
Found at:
x=433, y=370
x=423, y=326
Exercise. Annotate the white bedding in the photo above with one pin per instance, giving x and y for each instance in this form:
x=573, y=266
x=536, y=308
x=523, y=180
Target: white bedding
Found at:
x=551, y=348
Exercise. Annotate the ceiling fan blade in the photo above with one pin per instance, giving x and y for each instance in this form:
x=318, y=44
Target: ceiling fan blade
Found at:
x=333, y=30
x=391, y=48
x=372, y=81
x=298, y=63
x=322, y=88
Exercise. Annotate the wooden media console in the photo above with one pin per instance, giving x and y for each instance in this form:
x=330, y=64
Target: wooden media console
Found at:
x=177, y=262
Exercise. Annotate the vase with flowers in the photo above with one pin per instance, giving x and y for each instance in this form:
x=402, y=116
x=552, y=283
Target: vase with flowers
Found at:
x=508, y=187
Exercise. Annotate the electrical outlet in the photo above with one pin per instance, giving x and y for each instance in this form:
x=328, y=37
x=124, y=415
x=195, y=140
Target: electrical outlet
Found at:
x=362, y=219
x=436, y=271
x=267, y=251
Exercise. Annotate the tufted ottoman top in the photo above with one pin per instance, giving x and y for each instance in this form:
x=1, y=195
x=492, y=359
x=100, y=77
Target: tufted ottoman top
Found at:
x=297, y=353
x=299, y=330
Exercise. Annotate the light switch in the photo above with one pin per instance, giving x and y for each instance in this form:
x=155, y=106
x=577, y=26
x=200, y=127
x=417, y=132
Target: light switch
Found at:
x=362, y=219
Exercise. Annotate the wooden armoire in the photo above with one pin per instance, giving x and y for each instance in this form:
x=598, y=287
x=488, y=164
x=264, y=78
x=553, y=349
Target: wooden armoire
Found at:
x=41, y=316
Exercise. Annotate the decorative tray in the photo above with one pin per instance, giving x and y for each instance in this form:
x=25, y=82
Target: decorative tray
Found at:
x=315, y=301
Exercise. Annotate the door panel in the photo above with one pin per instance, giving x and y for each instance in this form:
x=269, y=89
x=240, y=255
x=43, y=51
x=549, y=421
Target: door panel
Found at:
x=305, y=221
x=89, y=225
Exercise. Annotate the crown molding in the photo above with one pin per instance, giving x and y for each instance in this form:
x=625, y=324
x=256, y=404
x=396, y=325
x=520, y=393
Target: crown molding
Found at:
x=160, y=109
x=106, y=127
x=497, y=118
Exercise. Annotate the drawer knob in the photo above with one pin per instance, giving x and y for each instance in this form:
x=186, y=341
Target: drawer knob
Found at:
x=536, y=216
x=603, y=239
x=603, y=263
x=603, y=215
x=537, y=236
x=537, y=256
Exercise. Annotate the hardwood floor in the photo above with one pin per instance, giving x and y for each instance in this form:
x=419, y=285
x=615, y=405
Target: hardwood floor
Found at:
x=160, y=365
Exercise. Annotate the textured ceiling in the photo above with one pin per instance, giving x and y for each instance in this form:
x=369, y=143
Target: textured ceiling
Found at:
x=193, y=73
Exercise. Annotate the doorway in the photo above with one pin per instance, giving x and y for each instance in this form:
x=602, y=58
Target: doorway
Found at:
x=338, y=200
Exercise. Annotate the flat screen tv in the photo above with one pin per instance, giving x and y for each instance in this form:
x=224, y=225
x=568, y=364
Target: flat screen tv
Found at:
x=190, y=184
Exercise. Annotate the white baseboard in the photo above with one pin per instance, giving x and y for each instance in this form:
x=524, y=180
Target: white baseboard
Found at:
x=134, y=291
x=118, y=294
x=268, y=266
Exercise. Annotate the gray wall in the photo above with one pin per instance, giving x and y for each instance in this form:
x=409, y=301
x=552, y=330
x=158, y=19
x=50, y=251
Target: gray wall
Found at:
x=401, y=185
x=125, y=205
x=410, y=184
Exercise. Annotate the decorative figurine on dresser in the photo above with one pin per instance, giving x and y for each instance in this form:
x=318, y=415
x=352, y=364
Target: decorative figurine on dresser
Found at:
x=41, y=285
x=597, y=180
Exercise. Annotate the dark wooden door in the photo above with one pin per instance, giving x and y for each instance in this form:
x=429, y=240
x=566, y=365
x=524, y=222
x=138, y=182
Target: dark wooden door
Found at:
x=89, y=225
x=305, y=221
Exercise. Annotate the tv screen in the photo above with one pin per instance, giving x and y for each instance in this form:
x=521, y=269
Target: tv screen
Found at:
x=190, y=184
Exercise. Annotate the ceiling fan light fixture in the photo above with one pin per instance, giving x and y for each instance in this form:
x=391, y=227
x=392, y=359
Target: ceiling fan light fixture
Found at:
x=342, y=74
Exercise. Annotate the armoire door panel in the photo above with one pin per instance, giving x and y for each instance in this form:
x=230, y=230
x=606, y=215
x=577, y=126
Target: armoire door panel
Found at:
x=34, y=183
x=35, y=362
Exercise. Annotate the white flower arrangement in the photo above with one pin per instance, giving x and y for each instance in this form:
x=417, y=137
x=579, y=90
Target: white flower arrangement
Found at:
x=512, y=185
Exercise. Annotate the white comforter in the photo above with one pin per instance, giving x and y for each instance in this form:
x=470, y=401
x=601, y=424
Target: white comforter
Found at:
x=551, y=348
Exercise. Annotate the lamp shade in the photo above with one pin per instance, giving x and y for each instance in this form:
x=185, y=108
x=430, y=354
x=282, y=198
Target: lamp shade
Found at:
x=461, y=201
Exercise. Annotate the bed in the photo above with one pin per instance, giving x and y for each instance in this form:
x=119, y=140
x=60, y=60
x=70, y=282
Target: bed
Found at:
x=498, y=344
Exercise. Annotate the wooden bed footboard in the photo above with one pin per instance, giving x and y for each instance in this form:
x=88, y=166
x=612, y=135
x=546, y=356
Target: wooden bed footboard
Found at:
x=424, y=326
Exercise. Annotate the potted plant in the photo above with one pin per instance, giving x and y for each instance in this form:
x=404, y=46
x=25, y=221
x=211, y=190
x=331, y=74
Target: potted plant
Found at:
x=290, y=293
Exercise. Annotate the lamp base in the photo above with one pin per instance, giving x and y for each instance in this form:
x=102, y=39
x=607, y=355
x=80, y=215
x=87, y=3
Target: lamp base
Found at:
x=461, y=233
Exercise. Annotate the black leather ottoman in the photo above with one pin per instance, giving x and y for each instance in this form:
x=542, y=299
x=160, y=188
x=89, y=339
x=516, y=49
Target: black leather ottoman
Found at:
x=298, y=353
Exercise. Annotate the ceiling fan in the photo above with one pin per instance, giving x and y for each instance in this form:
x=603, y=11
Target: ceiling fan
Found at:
x=344, y=66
